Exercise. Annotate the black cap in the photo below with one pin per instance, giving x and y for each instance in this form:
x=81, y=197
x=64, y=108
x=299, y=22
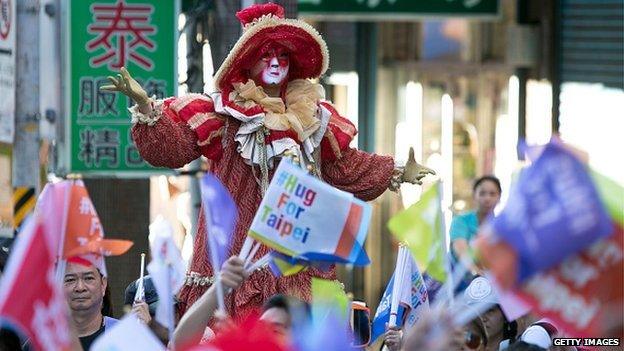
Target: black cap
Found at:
x=151, y=296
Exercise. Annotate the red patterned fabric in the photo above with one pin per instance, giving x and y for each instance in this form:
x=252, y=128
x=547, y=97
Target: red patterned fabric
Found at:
x=171, y=144
x=253, y=12
x=167, y=143
x=340, y=132
x=197, y=105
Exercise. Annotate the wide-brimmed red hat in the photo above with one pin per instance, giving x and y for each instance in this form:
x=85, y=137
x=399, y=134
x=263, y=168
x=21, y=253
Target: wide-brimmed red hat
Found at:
x=264, y=24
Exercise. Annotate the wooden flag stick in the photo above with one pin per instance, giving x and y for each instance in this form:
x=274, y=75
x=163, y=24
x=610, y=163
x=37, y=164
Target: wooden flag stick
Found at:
x=244, y=252
x=259, y=263
x=252, y=254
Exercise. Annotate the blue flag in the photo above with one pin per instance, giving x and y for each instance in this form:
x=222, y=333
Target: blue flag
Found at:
x=382, y=315
x=412, y=297
x=554, y=211
x=221, y=214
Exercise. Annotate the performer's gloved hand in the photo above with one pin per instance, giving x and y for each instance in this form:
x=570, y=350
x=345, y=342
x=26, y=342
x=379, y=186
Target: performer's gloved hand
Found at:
x=128, y=86
x=414, y=172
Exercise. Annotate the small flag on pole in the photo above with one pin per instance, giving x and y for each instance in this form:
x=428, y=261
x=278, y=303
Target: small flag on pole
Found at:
x=404, y=299
x=420, y=228
x=166, y=270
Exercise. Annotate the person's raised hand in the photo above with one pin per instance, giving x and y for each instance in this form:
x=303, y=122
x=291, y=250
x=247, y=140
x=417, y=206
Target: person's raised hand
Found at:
x=392, y=338
x=414, y=172
x=125, y=84
x=233, y=272
x=433, y=332
x=141, y=311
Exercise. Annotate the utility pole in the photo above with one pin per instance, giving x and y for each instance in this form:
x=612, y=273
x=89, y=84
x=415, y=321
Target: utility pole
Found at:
x=196, y=30
x=26, y=167
x=225, y=29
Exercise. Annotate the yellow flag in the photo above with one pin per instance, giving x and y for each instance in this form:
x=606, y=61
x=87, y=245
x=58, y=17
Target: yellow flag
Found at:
x=420, y=228
x=328, y=297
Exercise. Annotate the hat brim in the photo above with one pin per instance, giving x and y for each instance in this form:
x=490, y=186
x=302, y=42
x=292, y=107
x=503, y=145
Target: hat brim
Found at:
x=309, y=57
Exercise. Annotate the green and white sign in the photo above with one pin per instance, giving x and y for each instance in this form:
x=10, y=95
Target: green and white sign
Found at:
x=101, y=37
x=398, y=9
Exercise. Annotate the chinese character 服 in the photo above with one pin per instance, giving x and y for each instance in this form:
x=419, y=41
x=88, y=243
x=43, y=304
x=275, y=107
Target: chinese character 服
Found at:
x=120, y=29
x=86, y=97
x=94, y=101
x=106, y=100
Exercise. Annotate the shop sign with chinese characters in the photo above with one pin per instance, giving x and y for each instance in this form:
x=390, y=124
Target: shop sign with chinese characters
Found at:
x=101, y=37
x=392, y=9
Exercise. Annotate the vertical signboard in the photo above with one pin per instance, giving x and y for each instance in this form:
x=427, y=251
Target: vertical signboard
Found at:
x=8, y=16
x=101, y=37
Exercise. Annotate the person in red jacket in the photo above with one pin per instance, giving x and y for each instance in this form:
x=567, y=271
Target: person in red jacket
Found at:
x=265, y=107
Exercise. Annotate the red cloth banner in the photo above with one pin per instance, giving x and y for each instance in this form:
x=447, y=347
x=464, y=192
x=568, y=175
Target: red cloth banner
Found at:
x=30, y=299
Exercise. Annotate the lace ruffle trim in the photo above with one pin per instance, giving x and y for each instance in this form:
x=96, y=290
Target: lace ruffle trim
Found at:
x=396, y=179
x=150, y=118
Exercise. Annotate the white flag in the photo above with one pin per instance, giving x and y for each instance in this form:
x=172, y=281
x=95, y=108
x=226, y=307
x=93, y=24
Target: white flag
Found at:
x=415, y=295
x=128, y=335
x=166, y=270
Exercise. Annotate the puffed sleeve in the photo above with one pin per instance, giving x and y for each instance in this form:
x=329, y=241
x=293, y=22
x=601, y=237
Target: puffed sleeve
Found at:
x=363, y=174
x=178, y=131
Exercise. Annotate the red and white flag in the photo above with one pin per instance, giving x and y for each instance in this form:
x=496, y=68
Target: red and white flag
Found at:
x=31, y=299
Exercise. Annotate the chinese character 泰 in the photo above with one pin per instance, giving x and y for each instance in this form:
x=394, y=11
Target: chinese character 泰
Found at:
x=121, y=29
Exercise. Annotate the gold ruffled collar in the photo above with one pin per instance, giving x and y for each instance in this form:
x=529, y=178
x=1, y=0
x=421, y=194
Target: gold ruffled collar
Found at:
x=297, y=112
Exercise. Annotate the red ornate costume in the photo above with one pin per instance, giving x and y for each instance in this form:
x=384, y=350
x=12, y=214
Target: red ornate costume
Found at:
x=244, y=132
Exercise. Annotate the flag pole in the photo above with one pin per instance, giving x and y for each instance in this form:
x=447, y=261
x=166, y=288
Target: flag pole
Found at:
x=212, y=245
x=61, y=263
x=252, y=254
x=171, y=316
x=259, y=263
x=244, y=252
x=447, y=264
x=140, y=293
x=399, y=271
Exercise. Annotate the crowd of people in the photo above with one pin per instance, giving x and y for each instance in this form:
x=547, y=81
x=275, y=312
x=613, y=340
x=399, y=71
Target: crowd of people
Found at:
x=88, y=298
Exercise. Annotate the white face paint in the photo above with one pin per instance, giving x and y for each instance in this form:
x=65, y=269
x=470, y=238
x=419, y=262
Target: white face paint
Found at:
x=274, y=73
x=272, y=68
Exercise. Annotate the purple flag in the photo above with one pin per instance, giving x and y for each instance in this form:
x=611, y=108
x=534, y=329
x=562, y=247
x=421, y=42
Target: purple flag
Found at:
x=553, y=211
x=221, y=213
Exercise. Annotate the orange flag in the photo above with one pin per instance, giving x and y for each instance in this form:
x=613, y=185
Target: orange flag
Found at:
x=84, y=233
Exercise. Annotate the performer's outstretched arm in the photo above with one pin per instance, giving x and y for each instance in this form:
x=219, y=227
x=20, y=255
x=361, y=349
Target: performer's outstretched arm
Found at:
x=166, y=143
x=364, y=175
x=172, y=132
